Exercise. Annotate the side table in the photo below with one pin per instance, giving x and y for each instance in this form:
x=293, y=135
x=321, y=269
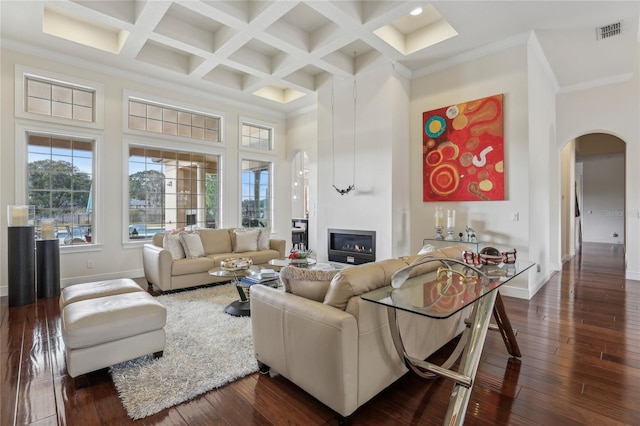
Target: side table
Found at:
x=48, y=267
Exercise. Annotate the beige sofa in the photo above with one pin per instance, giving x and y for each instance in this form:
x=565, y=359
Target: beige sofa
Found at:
x=165, y=272
x=339, y=349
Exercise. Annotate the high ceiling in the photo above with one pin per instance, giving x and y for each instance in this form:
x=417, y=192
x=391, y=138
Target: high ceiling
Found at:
x=273, y=54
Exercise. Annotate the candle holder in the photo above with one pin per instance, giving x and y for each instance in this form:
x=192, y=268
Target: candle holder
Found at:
x=450, y=236
x=21, y=215
x=438, y=236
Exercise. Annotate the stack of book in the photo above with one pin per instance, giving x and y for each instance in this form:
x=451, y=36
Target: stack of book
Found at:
x=264, y=276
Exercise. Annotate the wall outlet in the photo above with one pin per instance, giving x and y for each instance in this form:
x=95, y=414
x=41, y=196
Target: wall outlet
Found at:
x=515, y=217
x=89, y=263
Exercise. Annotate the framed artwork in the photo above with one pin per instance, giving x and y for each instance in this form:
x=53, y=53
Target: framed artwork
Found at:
x=463, y=151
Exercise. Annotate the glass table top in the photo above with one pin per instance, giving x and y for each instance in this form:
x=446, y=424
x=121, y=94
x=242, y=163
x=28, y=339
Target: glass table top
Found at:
x=293, y=262
x=443, y=292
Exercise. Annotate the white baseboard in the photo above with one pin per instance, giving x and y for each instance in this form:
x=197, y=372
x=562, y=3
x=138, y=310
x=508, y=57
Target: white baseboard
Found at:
x=632, y=275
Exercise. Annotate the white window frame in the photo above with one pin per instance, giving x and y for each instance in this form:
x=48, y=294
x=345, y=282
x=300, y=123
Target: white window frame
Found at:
x=273, y=150
x=162, y=144
x=23, y=72
x=204, y=144
x=22, y=129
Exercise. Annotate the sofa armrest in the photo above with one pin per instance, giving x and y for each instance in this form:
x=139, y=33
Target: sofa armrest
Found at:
x=279, y=245
x=312, y=344
x=157, y=266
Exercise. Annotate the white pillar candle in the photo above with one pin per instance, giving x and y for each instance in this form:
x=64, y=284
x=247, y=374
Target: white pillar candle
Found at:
x=19, y=216
x=438, y=216
x=46, y=226
x=451, y=218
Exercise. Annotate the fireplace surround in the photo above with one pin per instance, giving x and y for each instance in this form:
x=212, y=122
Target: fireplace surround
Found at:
x=351, y=246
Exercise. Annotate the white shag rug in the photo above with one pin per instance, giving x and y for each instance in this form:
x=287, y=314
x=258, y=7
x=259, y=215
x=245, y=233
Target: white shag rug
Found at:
x=206, y=348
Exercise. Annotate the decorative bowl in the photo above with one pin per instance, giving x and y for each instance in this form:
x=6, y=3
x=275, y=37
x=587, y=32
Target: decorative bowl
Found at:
x=236, y=264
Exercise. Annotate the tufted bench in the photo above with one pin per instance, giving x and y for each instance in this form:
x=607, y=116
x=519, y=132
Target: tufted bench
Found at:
x=108, y=322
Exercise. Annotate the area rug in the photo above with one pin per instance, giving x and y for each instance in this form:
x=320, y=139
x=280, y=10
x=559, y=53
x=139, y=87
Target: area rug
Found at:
x=206, y=348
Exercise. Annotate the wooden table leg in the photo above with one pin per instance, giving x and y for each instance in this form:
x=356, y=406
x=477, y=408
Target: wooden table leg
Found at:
x=504, y=325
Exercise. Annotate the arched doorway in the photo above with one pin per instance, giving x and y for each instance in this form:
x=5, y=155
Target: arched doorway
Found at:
x=300, y=200
x=593, y=192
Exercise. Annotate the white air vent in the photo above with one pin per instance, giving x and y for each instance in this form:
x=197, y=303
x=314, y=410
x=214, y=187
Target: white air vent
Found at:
x=608, y=30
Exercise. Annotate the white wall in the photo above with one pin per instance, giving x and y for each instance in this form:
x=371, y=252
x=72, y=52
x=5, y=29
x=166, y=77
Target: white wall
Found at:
x=612, y=109
x=603, y=199
x=568, y=201
x=544, y=175
x=370, y=206
x=504, y=72
x=302, y=136
x=117, y=258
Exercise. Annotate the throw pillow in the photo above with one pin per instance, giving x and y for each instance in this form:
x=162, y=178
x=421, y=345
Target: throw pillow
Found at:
x=263, y=239
x=246, y=240
x=192, y=244
x=172, y=243
x=308, y=283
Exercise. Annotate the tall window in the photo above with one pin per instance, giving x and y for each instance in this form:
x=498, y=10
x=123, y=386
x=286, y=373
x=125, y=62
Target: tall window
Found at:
x=170, y=190
x=256, y=193
x=60, y=181
x=170, y=120
x=259, y=137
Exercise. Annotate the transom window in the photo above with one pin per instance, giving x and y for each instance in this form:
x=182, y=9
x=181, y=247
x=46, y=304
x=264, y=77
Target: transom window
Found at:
x=256, y=193
x=56, y=99
x=60, y=182
x=170, y=190
x=258, y=137
x=169, y=120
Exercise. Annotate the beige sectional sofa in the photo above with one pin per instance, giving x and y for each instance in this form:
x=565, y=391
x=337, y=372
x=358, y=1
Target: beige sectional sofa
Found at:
x=166, y=269
x=339, y=348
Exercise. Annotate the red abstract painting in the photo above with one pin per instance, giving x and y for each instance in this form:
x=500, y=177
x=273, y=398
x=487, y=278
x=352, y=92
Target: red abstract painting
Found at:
x=463, y=151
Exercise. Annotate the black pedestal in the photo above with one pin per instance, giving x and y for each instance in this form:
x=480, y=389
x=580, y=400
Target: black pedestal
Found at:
x=48, y=267
x=239, y=308
x=21, y=255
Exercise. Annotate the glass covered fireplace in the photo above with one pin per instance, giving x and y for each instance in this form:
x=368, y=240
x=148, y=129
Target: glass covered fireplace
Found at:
x=351, y=246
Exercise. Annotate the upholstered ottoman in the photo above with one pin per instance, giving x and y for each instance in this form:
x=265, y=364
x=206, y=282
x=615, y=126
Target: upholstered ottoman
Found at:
x=102, y=331
x=93, y=290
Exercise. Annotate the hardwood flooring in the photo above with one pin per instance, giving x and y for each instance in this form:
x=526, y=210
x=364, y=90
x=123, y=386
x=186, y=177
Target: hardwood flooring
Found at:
x=580, y=339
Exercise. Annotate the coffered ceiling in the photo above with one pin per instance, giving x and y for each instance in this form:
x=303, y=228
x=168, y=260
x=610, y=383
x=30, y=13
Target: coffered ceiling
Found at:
x=272, y=54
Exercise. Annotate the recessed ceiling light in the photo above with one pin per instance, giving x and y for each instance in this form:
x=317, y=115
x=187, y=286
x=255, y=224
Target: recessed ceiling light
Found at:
x=416, y=11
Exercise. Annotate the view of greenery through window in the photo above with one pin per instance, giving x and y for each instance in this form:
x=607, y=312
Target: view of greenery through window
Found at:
x=256, y=193
x=170, y=190
x=60, y=172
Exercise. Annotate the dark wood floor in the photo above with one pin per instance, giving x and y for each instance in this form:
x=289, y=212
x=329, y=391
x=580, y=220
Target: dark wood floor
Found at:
x=580, y=338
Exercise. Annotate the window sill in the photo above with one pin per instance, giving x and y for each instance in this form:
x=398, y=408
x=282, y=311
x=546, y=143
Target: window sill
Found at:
x=80, y=248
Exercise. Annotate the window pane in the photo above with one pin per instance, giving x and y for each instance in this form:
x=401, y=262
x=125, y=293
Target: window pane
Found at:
x=59, y=109
x=173, y=121
x=62, y=94
x=39, y=106
x=164, y=194
x=60, y=185
x=255, y=195
x=39, y=89
x=256, y=137
x=137, y=109
x=59, y=100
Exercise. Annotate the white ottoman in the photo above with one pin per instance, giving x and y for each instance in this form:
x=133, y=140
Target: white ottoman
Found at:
x=77, y=292
x=102, y=331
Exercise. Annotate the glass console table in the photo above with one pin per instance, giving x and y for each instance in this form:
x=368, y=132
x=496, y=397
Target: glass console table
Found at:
x=472, y=245
x=448, y=288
